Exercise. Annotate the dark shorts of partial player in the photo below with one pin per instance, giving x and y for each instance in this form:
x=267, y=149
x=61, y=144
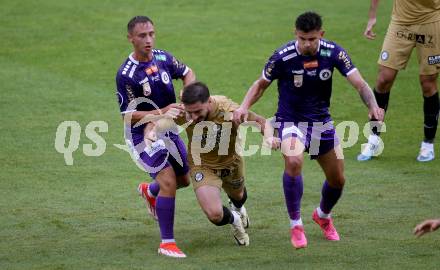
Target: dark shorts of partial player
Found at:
x=163, y=153
x=316, y=138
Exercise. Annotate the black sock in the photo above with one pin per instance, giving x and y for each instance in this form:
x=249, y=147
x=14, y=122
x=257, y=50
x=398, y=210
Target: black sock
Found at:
x=239, y=203
x=382, y=100
x=228, y=218
x=431, y=108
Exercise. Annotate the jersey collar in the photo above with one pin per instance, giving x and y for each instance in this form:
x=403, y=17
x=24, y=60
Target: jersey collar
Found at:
x=299, y=53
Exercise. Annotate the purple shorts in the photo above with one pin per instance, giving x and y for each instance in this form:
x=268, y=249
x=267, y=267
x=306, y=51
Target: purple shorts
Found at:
x=317, y=138
x=165, y=152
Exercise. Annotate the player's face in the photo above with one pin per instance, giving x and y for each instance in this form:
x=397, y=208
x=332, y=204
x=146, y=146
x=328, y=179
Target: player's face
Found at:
x=308, y=42
x=143, y=37
x=197, y=112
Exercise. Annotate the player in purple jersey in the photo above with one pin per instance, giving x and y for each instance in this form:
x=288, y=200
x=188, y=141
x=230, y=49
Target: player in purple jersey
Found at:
x=145, y=91
x=304, y=69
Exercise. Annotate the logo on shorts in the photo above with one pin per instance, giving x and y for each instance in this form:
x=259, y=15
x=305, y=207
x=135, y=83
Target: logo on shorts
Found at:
x=325, y=74
x=198, y=177
x=384, y=56
x=433, y=59
x=165, y=78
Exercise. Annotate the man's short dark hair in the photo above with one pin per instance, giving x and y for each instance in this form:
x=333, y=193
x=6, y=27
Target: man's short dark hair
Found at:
x=308, y=21
x=195, y=92
x=137, y=19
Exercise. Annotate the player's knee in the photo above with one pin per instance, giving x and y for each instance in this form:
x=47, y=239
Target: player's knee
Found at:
x=293, y=166
x=168, y=185
x=384, y=83
x=429, y=86
x=337, y=181
x=214, y=215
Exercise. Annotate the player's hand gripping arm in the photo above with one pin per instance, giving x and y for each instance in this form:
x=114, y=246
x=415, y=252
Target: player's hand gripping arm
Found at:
x=367, y=96
x=368, y=33
x=253, y=95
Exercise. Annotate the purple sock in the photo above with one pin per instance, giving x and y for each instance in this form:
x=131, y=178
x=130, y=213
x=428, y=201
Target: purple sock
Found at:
x=165, y=216
x=154, y=188
x=293, y=191
x=330, y=197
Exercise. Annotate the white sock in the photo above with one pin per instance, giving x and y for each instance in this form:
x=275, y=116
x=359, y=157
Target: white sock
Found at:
x=373, y=139
x=168, y=241
x=237, y=219
x=322, y=214
x=296, y=222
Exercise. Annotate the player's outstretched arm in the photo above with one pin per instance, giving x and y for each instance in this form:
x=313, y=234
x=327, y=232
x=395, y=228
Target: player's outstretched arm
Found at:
x=367, y=96
x=141, y=117
x=189, y=77
x=368, y=33
x=253, y=95
x=426, y=226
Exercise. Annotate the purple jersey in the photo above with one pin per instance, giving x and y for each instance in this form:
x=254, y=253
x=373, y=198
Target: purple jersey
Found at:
x=305, y=82
x=152, y=80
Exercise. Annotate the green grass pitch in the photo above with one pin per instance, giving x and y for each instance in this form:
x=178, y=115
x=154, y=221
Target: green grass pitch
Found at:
x=58, y=61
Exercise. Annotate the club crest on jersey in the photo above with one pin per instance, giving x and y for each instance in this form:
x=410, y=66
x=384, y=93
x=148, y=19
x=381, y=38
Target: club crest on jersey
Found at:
x=147, y=89
x=165, y=78
x=310, y=64
x=325, y=74
x=298, y=80
x=198, y=177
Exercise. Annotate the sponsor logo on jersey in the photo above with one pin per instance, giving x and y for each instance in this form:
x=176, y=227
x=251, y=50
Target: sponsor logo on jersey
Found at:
x=434, y=59
x=325, y=74
x=198, y=176
x=130, y=93
x=160, y=57
x=311, y=73
x=426, y=40
x=384, y=56
x=177, y=64
x=301, y=71
x=298, y=80
x=154, y=147
x=310, y=64
x=344, y=57
x=269, y=68
x=165, y=78
x=325, y=53
x=152, y=69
